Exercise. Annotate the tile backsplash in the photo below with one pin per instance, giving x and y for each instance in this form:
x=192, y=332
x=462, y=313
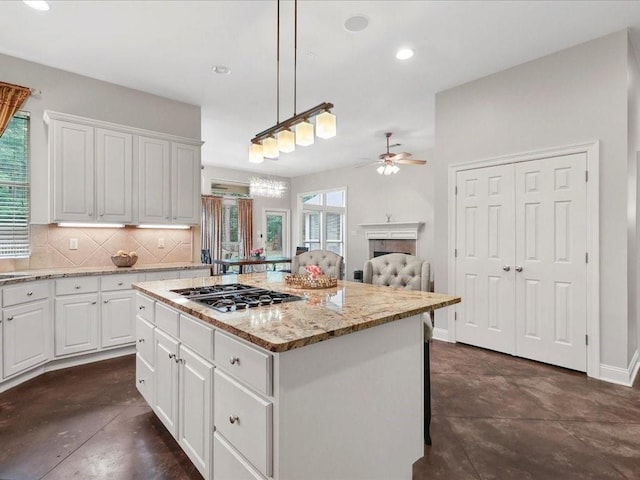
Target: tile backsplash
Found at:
x=50, y=247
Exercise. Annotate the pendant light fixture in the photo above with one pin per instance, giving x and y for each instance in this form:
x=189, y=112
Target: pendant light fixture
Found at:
x=297, y=130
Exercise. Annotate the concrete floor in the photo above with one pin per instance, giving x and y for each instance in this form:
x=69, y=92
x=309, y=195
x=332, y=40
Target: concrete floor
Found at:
x=494, y=417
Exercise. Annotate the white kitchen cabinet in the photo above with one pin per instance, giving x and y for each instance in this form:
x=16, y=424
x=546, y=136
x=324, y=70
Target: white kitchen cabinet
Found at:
x=76, y=324
x=117, y=319
x=195, y=424
x=168, y=182
x=114, y=170
x=166, y=380
x=71, y=151
x=25, y=336
x=195, y=273
x=154, y=182
x=185, y=180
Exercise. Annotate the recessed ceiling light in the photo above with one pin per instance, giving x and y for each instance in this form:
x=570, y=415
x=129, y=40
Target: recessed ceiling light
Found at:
x=404, y=53
x=221, y=69
x=357, y=23
x=38, y=5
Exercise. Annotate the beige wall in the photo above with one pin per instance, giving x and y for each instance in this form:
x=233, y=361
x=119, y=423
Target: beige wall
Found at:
x=574, y=96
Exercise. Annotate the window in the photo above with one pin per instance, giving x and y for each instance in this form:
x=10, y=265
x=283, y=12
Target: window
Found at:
x=14, y=188
x=230, y=239
x=323, y=220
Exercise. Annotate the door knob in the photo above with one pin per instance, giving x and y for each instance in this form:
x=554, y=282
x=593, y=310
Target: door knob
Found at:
x=518, y=268
x=506, y=268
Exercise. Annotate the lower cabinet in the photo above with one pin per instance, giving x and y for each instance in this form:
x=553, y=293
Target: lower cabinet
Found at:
x=166, y=381
x=76, y=324
x=229, y=464
x=27, y=337
x=118, y=313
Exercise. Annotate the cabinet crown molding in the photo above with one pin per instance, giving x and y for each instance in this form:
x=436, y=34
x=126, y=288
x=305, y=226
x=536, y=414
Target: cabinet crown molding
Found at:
x=50, y=115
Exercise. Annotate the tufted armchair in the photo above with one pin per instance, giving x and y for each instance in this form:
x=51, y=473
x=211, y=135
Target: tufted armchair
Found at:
x=399, y=270
x=330, y=263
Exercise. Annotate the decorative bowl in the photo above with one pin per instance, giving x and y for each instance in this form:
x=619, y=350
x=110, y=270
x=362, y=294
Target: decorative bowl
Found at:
x=307, y=281
x=123, y=260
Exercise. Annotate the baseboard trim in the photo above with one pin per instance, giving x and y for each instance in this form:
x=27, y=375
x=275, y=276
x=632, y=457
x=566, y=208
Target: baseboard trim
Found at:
x=441, y=334
x=621, y=376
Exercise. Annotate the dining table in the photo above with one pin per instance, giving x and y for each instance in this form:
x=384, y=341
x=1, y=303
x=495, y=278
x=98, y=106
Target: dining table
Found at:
x=242, y=262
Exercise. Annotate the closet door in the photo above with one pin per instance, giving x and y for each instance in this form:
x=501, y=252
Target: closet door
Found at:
x=485, y=245
x=551, y=246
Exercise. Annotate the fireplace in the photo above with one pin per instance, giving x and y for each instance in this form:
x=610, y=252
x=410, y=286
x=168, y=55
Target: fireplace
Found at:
x=392, y=237
x=378, y=253
x=383, y=246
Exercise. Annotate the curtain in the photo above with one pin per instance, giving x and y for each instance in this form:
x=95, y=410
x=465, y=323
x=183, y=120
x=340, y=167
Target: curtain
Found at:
x=212, y=227
x=11, y=99
x=245, y=225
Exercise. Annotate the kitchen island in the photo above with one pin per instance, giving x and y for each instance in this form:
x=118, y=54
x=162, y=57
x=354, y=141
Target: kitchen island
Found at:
x=326, y=387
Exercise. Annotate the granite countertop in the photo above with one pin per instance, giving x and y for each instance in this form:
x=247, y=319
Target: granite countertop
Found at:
x=8, y=278
x=323, y=314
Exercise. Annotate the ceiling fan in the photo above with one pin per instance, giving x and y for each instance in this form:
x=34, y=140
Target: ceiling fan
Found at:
x=389, y=161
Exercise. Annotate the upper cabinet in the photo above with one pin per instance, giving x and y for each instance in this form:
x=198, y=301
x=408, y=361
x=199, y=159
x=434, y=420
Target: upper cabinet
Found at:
x=104, y=172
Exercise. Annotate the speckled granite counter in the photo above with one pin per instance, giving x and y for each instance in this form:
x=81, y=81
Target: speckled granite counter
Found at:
x=8, y=278
x=323, y=314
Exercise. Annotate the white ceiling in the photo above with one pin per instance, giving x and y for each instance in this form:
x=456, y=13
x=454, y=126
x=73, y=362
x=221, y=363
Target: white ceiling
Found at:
x=168, y=48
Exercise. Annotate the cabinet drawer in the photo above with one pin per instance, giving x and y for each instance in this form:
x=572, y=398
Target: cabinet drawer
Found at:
x=145, y=308
x=244, y=362
x=145, y=339
x=164, y=275
x=144, y=379
x=26, y=292
x=118, y=282
x=200, y=272
x=197, y=336
x=229, y=464
x=167, y=319
x=68, y=286
x=245, y=420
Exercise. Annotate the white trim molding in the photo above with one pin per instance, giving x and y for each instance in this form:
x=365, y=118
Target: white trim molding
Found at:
x=592, y=151
x=621, y=376
x=391, y=230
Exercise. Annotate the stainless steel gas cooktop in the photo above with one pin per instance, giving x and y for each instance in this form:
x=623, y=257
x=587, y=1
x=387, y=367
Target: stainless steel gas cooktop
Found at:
x=235, y=296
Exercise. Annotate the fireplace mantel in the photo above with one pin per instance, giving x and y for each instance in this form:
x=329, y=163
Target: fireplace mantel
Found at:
x=392, y=230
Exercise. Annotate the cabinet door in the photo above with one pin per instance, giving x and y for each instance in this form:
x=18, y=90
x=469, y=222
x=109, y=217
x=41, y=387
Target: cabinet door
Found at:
x=27, y=335
x=195, y=419
x=71, y=150
x=76, y=324
x=154, y=187
x=114, y=165
x=185, y=184
x=166, y=381
x=118, y=311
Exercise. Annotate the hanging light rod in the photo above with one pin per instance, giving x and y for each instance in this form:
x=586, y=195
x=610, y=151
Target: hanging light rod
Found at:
x=290, y=122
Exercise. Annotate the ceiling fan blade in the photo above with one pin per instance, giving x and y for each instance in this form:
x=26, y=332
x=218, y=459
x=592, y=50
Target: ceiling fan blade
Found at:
x=400, y=156
x=368, y=164
x=409, y=161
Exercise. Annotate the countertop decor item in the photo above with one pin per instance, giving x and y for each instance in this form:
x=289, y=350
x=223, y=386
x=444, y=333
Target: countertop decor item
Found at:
x=309, y=281
x=124, y=259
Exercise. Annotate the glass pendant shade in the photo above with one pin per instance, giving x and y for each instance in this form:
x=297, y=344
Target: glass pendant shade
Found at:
x=326, y=125
x=380, y=169
x=286, y=141
x=255, y=153
x=304, y=134
x=270, y=147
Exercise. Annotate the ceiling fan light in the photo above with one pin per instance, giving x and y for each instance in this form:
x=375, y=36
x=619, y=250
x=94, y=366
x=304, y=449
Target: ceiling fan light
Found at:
x=395, y=169
x=304, y=134
x=256, y=153
x=270, y=147
x=380, y=169
x=326, y=125
x=286, y=141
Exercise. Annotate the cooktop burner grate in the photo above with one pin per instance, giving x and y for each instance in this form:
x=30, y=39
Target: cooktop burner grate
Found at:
x=233, y=297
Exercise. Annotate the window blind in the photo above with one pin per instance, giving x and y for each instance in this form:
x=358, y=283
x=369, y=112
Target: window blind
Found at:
x=14, y=188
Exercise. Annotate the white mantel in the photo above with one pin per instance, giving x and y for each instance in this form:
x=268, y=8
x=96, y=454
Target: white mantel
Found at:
x=392, y=230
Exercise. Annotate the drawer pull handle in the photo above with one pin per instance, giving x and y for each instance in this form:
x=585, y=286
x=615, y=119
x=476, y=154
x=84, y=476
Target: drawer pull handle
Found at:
x=9, y=319
x=172, y=355
x=234, y=419
x=141, y=380
x=234, y=360
x=93, y=303
x=106, y=301
x=120, y=284
x=29, y=294
x=77, y=287
x=140, y=307
x=141, y=340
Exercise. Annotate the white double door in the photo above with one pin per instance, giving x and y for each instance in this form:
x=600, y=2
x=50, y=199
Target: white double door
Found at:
x=521, y=259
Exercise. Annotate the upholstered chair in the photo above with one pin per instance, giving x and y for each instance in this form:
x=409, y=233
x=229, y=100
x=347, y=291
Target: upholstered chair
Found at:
x=330, y=263
x=399, y=270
